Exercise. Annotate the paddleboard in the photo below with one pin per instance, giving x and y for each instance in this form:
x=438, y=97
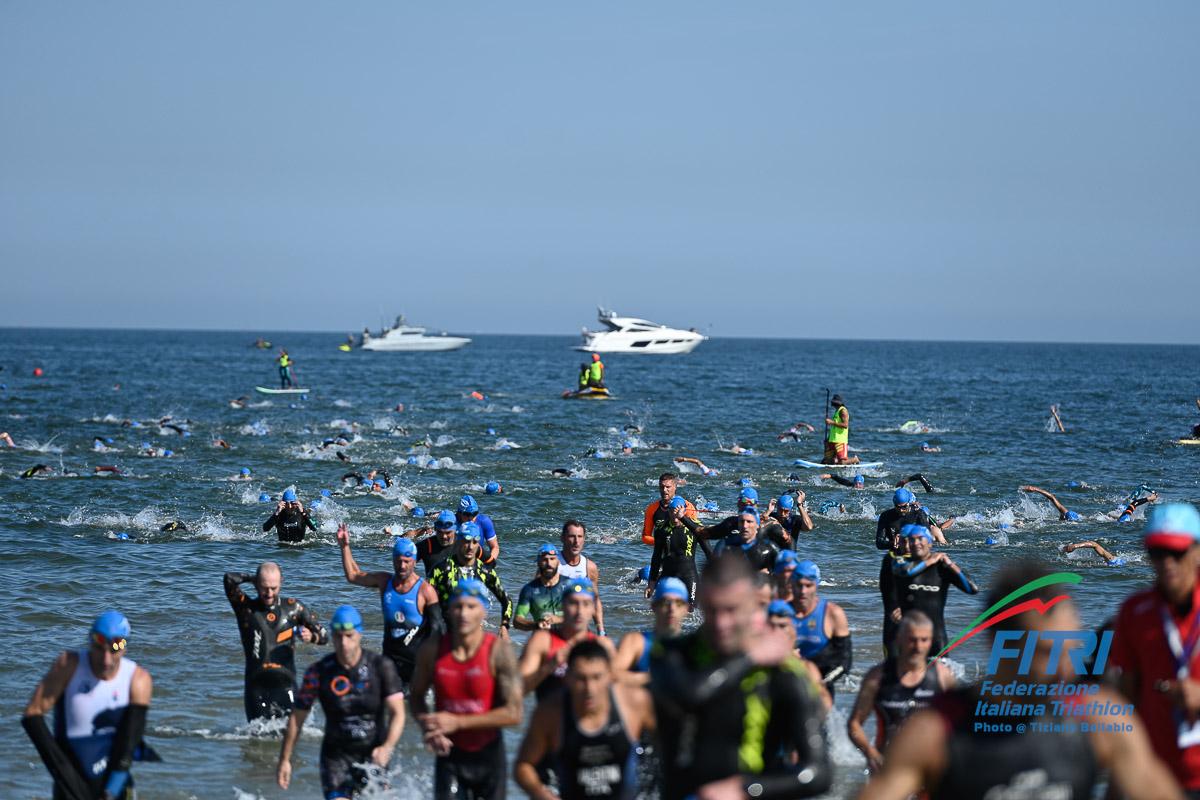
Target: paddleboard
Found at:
x=1187, y=441
x=265, y=390
x=800, y=462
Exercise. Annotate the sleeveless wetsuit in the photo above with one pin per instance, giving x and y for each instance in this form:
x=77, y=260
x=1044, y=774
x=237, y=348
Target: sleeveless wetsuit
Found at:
x=569, y=572
x=894, y=701
x=1030, y=766
x=88, y=713
x=402, y=620
x=554, y=681
x=475, y=767
x=601, y=764
x=643, y=662
x=354, y=702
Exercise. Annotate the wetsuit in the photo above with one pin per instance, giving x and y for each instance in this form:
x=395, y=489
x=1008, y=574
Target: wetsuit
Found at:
x=431, y=551
x=88, y=718
x=887, y=537
x=285, y=372
x=537, y=600
x=289, y=524
x=405, y=626
x=832, y=655
x=657, y=515
x=894, y=701
x=760, y=553
x=843, y=481
x=354, y=702
x=925, y=589
x=719, y=717
x=449, y=572
x=643, y=662
x=269, y=642
x=554, y=681
x=601, y=764
x=475, y=767
x=675, y=555
x=574, y=571
x=36, y=469
x=1029, y=766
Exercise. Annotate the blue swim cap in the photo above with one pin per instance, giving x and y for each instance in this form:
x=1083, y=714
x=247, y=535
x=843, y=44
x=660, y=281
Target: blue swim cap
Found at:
x=807, y=570
x=580, y=586
x=289, y=495
x=787, y=501
x=404, y=548
x=123, y=536
x=749, y=511
x=859, y=479
x=381, y=483
x=492, y=488
x=924, y=444
x=245, y=470
x=912, y=531
x=491, y=431
x=903, y=496
x=780, y=608
x=412, y=460
x=445, y=521
x=167, y=453
x=628, y=444
x=346, y=618
x=467, y=505
x=745, y=482
x=669, y=587
x=644, y=575
x=785, y=560
x=1004, y=526
x=991, y=540
x=748, y=496
x=1072, y=484
x=326, y=493
x=1125, y=518
x=1175, y=526
x=264, y=498
x=470, y=530
x=186, y=434
x=711, y=505
x=418, y=511
x=1117, y=562
x=1072, y=517
x=598, y=454
x=547, y=548
x=473, y=588
x=111, y=625
x=677, y=502
x=315, y=504
x=107, y=440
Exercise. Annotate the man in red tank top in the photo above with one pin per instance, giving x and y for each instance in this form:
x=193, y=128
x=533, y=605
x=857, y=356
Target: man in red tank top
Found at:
x=544, y=660
x=477, y=691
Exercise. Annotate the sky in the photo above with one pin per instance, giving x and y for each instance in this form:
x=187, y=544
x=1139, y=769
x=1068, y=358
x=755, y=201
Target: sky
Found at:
x=1002, y=171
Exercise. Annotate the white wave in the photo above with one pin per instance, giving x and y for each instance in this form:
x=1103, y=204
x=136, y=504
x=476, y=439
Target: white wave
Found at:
x=505, y=444
x=343, y=403
x=260, y=404
x=438, y=425
x=39, y=447
x=444, y=440
x=256, y=428
x=517, y=410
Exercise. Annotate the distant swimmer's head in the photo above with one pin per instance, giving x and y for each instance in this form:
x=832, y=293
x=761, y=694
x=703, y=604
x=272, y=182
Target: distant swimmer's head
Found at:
x=289, y=496
x=417, y=511
x=748, y=497
x=745, y=482
x=627, y=446
x=379, y=485
x=785, y=562
x=859, y=480
x=1071, y=516
x=264, y=497
x=903, y=497
x=245, y=471
x=786, y=502
x=1126, y=517
x=492, y=487
x=924, y=445
x=1116, y=562
x=1073, y=484
x=326, y=493
x=490, y=431
x=467, y=506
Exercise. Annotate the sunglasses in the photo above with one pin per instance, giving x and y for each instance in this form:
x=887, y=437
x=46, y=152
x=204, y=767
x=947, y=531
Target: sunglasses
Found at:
x=116, y=644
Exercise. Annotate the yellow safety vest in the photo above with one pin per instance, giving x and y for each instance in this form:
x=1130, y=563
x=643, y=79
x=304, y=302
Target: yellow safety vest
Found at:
x=597, y=372
x=839, y=435
x=284, y=361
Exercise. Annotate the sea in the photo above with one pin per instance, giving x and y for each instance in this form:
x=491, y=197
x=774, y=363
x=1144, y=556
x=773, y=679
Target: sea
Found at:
x=73, y=546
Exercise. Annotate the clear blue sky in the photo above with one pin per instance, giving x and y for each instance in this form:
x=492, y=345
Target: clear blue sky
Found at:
x=941, y=170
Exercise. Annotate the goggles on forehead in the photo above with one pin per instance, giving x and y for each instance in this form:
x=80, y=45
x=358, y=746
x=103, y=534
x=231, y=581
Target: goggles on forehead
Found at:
x=344, y=627
x=115, y=644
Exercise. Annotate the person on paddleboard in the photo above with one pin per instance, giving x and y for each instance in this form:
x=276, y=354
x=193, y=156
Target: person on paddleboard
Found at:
x=285, y=369
x=837, y=436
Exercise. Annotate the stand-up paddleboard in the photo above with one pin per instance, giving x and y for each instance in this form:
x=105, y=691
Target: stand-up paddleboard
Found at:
x=265, y=390
x=1187, y=441
x=590, y=393
x=800, y=462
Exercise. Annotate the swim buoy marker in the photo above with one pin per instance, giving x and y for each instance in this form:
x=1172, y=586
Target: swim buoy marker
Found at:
x=37, y=372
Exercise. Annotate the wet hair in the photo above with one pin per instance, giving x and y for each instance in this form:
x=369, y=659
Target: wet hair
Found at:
x=726, y=570
x=912, y=619
x=668, y=476
x=574, y=523
x=588, y=649
x=1012, y=578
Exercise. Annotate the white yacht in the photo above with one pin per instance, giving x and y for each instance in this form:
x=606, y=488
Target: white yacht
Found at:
x=632, y=335
x=409, y=338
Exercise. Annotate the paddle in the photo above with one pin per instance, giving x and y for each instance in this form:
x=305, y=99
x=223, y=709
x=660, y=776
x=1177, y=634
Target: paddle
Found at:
x=825, y=416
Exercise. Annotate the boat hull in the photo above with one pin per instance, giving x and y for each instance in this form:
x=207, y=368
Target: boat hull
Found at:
x=426, y=344
x=660, y=343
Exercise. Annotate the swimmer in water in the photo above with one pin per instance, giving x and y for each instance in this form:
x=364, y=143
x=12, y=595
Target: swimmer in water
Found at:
x=1108, y=557
x=243, y=475
x=38, y=469
x=919, y=478
x=1064, y=514
x=857, y=482
x=106, y=469
x=926, y=447
x=794, y=432
x=704, y=468
x=221, y=443
x=1125, y=513
x=239, y=402
x=6, y=439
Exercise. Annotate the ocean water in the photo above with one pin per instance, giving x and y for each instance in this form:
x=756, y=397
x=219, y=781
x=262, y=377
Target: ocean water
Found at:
x=63, y=561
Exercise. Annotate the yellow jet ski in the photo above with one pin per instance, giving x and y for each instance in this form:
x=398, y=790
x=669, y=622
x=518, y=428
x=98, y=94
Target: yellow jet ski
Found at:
x=589, y=393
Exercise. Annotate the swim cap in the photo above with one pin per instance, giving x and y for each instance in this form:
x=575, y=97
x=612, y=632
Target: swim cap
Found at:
x=669, y=587
x=145, y=445
x=807, y=570
x=167, y=453
x=711, y=505
x=858, y=479
x=747, y=496
x=991, y=540
x=780, y=608
x=580, y=586
x=911, y=531
x=1004, y=526
x=469, y=531
x=326, y=493
x=1117, y=562
x=491, y=431
x=107, y=440
x=346, y=618
x=787, y=501
x=1072, y=484
x=749, y=511
x=412, y=460
x=473, y=588
x=644, y=575
x=467, y=505
x=547, y=549
x=289, y=495
x=785, y=560
x=627, y=444
x=111, y=625
x=745, y=482
x=445, y=521
x=418, y=511
x=1175, y=526
x=1126, y=517
x=924, y=444
x=123, y=536
x=404, y=548
x=315, y=504
x=492, y=488
x=381, y=483
x=245, y=470
x=903, y=496
x=264, y=498
x=677, y=502
x=1072, y=516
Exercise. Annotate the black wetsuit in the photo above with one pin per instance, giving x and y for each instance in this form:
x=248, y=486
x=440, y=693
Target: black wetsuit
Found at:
x=926, y=590
x=1029, y=766
x=269, y=644
x=675, y=546
x=354, y=701
x=894, y=701
x=781, y=532
x=887, y=537
x=448, y=572
x=431, y=551
x=290, y=524
x=719, y=717
x=760, y=553
x=602, y=764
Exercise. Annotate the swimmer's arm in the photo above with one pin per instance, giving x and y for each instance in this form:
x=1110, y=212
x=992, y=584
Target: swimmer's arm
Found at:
x=491, y=579
x=354, y=574
x=534, y=666
x=864, y=705
x=283, y=771
x=883, y=535
x=270, y=523
x=594, y=577
x=59, y=764
x=309, y=620
x=1130, y=759
x=423, y=676
x=534, y=749
x=52, y=685
x=946, y=679
x=308, y=521
x=629, y=650
x=839, y=479
x=648, y=520
x=1053, y=500
x=960, y=577
x=129, y=733
x=660, y=549
x=916, y=757
x=233, y=580
x=522, y=620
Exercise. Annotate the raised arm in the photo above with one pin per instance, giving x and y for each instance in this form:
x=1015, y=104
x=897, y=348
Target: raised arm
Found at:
x=350, y=568
x=1053, y=500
